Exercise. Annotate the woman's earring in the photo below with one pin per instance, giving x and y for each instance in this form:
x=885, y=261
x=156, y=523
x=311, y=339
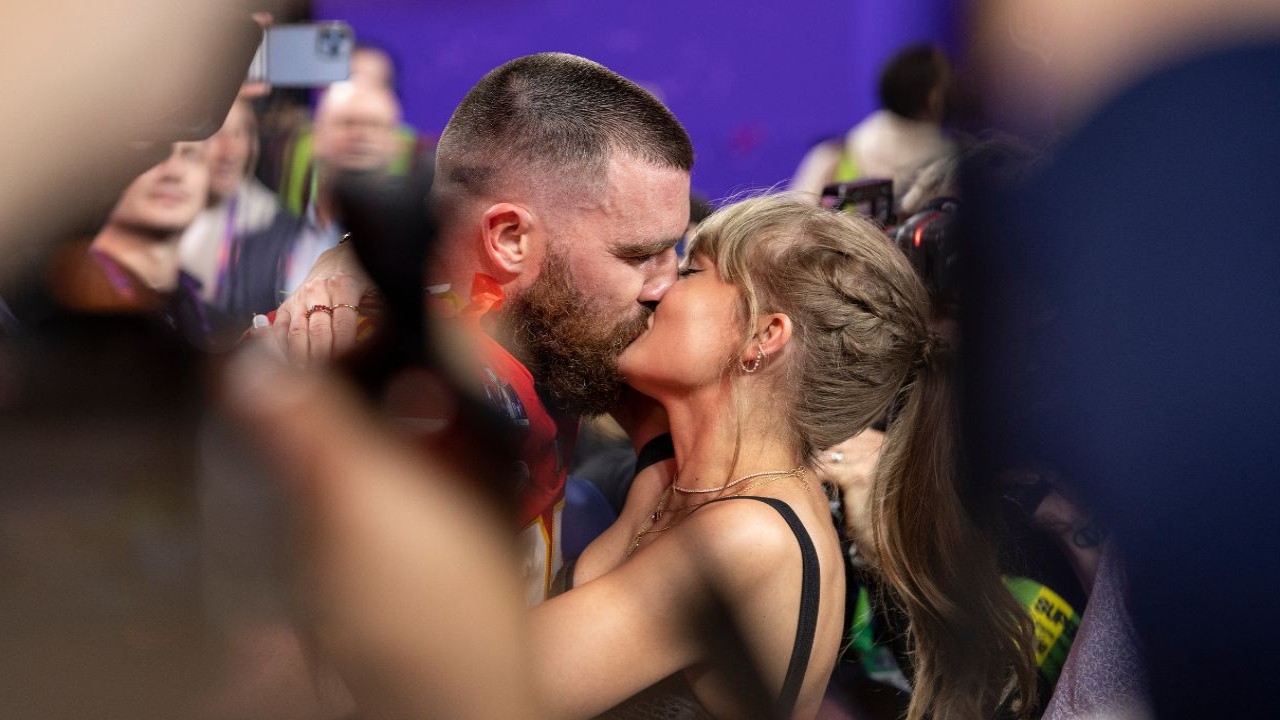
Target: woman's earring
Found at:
x=755, y=362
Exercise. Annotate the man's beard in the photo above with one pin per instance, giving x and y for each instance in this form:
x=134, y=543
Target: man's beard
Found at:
x=567, y=342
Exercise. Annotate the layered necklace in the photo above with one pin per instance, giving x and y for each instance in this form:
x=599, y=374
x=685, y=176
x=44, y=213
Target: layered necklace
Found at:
x=759, y=479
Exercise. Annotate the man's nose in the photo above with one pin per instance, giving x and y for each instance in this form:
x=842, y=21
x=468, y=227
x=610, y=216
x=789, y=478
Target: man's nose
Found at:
x=660, y=278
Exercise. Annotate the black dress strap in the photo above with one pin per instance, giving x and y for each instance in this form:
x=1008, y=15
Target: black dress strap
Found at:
x=656, y=450
x=810, y=591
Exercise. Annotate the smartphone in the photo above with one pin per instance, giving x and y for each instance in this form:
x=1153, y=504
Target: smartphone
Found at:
x=310, y=55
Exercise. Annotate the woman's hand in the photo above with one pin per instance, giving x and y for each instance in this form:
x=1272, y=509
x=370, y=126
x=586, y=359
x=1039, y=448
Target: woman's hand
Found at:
x=337, y=282
x=851, y=467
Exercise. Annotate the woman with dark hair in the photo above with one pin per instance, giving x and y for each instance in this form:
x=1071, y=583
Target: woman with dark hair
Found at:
x=905, y=134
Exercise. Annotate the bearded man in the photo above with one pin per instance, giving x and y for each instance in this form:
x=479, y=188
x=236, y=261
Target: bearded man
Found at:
x=561, y=188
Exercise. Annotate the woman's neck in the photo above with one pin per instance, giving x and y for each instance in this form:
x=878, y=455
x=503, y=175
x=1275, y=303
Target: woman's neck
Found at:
x=706, y=430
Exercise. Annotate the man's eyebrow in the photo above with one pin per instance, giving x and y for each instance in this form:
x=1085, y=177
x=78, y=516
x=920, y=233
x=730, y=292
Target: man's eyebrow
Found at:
x=644, y=249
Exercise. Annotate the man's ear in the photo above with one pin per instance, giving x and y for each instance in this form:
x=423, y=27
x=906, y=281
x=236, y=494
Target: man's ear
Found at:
x=773, y=332
x=512, y=243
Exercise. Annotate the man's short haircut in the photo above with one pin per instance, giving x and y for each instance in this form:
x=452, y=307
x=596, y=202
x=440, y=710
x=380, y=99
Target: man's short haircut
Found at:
x=909, y=77
x=556, y=113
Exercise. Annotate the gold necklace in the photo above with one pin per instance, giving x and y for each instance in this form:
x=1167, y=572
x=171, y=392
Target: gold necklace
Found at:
x=726, y=486
x=656, y=515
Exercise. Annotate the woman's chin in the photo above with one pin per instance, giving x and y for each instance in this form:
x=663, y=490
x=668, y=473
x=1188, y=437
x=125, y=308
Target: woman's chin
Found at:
x=633, y=365
x=628, y=364
x=635, y=348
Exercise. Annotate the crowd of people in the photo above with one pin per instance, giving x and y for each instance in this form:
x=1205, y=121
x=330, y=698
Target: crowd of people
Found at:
x=388, y=511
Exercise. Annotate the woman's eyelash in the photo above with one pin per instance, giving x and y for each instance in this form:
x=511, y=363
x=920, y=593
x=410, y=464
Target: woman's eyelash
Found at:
x=687, y=271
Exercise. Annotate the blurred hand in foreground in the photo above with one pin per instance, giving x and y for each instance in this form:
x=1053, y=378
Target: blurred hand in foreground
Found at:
x=415, y=626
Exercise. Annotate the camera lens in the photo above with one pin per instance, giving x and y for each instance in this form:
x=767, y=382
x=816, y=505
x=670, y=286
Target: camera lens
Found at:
x=330, y=42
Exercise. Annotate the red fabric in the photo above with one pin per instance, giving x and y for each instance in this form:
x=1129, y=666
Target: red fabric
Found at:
x=546, y=442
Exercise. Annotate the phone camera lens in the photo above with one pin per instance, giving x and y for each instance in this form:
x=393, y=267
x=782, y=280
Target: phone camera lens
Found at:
x=331, y=41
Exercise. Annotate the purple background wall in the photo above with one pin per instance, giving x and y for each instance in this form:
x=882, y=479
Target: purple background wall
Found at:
x=755, y=83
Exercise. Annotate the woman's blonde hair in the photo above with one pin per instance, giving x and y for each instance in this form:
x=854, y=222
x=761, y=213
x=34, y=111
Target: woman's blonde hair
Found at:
x=860, y=346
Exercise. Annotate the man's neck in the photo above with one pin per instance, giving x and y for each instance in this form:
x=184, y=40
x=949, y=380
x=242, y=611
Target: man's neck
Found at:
x=153, y=258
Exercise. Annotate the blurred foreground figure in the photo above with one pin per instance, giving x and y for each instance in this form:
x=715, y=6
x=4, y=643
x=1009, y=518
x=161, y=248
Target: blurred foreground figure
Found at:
x=1135, y=275
x=193, y=54
x=103, y=608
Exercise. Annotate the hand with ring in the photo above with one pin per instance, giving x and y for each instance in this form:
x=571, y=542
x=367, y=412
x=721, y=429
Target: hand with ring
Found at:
x=318, y=308
x=319, y=324
x=851, y=467
x=329, y=310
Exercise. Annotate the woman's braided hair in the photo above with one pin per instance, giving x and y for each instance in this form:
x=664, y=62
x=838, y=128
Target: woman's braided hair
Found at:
x=861, y=345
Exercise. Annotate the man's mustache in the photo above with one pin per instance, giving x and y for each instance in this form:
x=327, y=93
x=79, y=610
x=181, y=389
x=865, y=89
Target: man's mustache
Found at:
x=630, y=330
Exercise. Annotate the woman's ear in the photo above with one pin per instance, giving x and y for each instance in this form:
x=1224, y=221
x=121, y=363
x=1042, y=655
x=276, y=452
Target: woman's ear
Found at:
x=773, y=334
x=512, y=244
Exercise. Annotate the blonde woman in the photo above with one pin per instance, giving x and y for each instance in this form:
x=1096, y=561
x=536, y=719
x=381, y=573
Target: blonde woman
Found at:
x=790, y=329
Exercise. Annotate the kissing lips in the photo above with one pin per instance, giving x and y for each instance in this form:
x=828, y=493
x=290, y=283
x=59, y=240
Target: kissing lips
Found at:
x=642, y=326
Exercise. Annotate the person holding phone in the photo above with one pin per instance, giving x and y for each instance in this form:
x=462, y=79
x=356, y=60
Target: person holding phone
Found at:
x=354, y=133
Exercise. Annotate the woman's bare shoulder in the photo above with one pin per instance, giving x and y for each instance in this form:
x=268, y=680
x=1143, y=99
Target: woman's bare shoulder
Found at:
x=739, y=537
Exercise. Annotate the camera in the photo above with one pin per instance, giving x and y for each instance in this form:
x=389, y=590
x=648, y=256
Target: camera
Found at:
x=930, y=240
x=332, y=41
x=869, y=198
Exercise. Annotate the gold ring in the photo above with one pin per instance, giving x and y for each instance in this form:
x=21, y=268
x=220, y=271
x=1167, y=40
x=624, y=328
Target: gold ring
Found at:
x=318, y=308
x=347, y=305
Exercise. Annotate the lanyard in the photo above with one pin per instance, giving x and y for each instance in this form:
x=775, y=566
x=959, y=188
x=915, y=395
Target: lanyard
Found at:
x=228, y=251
